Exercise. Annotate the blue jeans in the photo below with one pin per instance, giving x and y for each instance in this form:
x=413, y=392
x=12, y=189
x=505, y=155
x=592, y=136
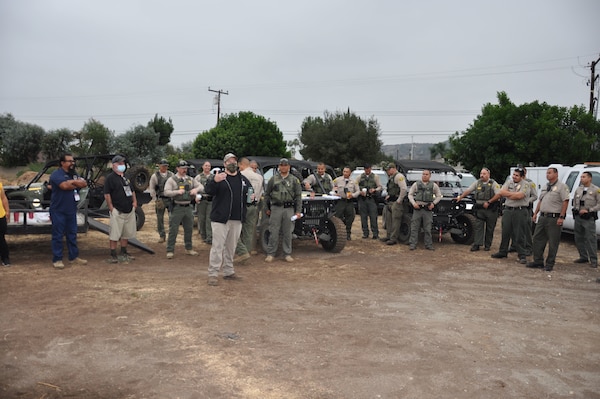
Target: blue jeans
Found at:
x=64, y=224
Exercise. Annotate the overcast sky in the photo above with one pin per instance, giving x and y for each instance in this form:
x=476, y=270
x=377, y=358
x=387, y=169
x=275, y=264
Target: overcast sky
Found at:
x=423, y=69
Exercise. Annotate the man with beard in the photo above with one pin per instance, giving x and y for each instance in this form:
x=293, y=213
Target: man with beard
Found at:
x=63, y=210
x=230, y=199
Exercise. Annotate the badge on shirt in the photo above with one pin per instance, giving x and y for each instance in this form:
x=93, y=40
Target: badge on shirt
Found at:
x=127, y=191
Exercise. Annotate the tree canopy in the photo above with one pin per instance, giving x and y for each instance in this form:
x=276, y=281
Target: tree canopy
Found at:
x=21, y=142
x=341, y=139
x=505, y=135
x=163, y=128
x=243, y=134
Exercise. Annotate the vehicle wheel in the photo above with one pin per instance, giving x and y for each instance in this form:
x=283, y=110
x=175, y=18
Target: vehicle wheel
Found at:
x=265, y=236
x=140, y=177
x=404, y=235
x=466, y=223
x=336, y=229
x=140, y=218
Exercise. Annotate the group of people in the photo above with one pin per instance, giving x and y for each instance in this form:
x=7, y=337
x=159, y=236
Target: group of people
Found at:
x=228, y=203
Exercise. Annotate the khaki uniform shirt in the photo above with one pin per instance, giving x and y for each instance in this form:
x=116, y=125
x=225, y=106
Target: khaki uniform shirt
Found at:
x=172, y=189
x=522, y=187
x=532, y=191
x=256, y=180
x=346, y=188
x=553, y=197
x=312, y=180
x=202, y=179
x=590, y=197
x=400, y=181
x=437, y=194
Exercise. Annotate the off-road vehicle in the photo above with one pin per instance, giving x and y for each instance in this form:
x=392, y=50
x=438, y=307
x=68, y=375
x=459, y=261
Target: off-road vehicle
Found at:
x=449, y=216
x=35, y=195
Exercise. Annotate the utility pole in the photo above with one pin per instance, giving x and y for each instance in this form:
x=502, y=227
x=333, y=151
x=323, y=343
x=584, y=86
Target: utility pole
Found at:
x=219, y=92
x=593, y=79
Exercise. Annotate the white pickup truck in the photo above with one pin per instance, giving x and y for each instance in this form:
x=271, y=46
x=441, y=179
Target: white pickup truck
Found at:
x=571, y=176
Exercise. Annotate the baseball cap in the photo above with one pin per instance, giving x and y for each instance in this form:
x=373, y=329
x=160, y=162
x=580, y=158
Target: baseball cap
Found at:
x=118, y=158
x=182, y=164
x=163, y=162
x=390, y=166
x=284, y=161
x=228, y=156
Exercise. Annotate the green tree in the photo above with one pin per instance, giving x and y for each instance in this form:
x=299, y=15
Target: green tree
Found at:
x=293, y=145
x=56, y=142
x=93, y=138
x=21, y=144
x=139, y=144
x=505, y=134
x=341, y=139
x=243, y=134
x=438, y=149
x=7, y=123
x=163, y=127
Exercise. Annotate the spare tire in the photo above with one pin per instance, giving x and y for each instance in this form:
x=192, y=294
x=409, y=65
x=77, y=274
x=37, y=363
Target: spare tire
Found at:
x=139, y=176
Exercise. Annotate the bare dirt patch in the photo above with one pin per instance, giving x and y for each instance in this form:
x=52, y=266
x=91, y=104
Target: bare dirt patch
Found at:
x=374, y=321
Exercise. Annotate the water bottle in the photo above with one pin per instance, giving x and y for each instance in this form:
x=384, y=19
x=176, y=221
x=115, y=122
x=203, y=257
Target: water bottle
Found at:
x=294, y=217
x=250, y=194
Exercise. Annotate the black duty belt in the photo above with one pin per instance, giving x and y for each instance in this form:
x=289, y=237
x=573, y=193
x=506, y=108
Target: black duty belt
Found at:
x=284, y=204
x=513, y=208
x=549, y=215
x=253, y=203
x=183, y=205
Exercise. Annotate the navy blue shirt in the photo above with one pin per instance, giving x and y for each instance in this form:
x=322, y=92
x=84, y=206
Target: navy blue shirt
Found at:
x=62, y=200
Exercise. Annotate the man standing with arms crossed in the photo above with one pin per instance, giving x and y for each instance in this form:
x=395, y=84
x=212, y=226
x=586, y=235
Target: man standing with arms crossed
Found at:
x=423, y=196
x=157, y=192
x=397, y=190
x=487, y=194
x=283, y=198
x=552, y=209
x=586, y=205
x=63, y=210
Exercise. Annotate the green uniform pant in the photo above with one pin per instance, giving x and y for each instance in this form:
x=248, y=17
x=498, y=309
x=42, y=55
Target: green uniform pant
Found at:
x=280, y=223
x=161, y=205
x=344, y=209
x=424, y=217
x=203, y=209
x=513, y=228
x=485, y=223
x=367, y=207
x=394, y=220
x=546, y=232
x=180, y=215
x=585, y=239
x=248, y=236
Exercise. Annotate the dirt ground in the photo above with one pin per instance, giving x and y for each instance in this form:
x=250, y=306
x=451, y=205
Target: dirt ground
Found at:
x=374, y=321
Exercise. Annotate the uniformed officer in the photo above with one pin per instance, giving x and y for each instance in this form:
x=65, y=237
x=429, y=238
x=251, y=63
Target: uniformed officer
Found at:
x=182, y=189
x=487, y=196
x=423, y=196
x=552, y=209
x=516, y=214
x=283, y=198
x=348, y=191
x=370, y=187
x=319, y=182
x=161, y=202
x=396, y=190
x=204, y=206
x=586, y=204
x=246, y=242
x=528, y=233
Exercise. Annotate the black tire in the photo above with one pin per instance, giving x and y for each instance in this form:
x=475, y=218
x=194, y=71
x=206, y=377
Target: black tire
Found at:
x=265, y=236
x=336, y=229
x=140, y=178
x=466, y=222
x=404, y=234
x=140, y=218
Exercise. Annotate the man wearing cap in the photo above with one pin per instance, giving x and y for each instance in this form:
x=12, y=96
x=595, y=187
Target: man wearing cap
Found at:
x=423, y=195
x=230, y=191
x=204, y=206
x=283, y=198
x=319, y=182
x=370, y=187
x=348, y=191
x=397, y=190
x=157, y=192
x=245, y=245
x=182, y=190
x=121, y=201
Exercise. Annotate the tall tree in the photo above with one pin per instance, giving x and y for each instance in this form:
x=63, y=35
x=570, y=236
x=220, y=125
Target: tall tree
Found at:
x=139, y=144
x=163, y=127
x=505, y=134
x=93, y=138
x=21, y=144
x=341, y=139
x=244, y=133
x=56, y=142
